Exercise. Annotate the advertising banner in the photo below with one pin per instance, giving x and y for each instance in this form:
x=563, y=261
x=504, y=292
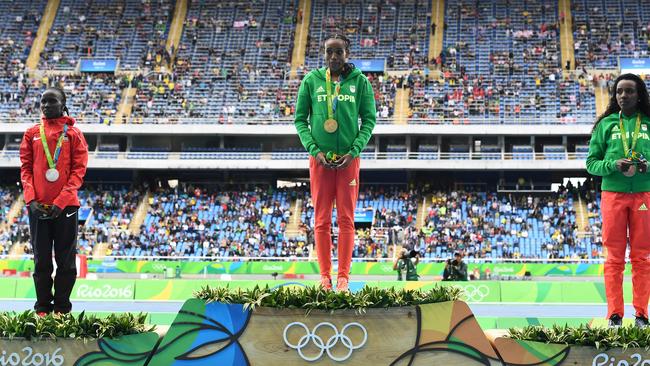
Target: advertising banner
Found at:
x=84, y=289
x=638, y=66
x=369, y=65
x=98, y=65
x=292, y=267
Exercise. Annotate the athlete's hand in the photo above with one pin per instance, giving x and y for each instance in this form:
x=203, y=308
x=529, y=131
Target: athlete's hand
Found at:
x=35, y=207
x=623, y=165
x=642, y=166
x=55, y=212
x=322, y=160
x=344, y=161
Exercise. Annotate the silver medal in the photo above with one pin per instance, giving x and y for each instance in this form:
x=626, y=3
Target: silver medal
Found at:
x=52, y=175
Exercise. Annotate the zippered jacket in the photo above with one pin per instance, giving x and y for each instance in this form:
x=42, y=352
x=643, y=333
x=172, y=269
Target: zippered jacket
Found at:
x=71, y=165
x=606, y=146
x=356, y=99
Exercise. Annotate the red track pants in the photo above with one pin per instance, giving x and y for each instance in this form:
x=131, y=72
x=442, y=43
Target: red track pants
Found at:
x=620, y=212
x=328, y=185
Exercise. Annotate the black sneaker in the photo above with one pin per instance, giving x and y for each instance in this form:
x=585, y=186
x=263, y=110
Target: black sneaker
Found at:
x=641, y=321
x=615, y=321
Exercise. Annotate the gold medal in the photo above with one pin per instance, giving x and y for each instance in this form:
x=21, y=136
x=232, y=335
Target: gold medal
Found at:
x=331, y=125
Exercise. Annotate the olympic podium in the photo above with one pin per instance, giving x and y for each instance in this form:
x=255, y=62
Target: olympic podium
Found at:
x=213, y=333
x=229, y=334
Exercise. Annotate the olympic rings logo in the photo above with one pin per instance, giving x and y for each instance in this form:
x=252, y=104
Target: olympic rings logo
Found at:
x=476, y=293
x=325, y=347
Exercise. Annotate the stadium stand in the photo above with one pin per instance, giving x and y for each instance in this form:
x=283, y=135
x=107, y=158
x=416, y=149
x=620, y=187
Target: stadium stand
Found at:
x=131, y=31
x=20, y=21
x=604, y=31
x=508, y=71
x=484, y=225
x=112, y=209
x=92, y=98
x=198, y=221
x=232, y=63
x=211, y=222
x=395, y=30
x=7, y=197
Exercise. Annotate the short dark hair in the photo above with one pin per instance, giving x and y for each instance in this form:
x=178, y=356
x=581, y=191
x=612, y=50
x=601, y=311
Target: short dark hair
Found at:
x=58, y=90
x=62, y=94
x=342, y=37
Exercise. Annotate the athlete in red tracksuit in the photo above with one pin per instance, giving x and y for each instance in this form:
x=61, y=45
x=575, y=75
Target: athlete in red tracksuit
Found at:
x=50, y=183
x=620, y=143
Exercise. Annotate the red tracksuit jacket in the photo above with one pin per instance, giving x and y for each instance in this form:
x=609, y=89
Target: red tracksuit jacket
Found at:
x=73, y=160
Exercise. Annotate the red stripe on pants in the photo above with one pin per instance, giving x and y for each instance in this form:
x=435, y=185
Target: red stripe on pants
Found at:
x=328, y=185
x=621, y=215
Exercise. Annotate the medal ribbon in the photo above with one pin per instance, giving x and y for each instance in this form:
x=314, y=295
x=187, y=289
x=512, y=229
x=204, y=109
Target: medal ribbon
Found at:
x=52, y=162
x=629, y=150
x=332, y=99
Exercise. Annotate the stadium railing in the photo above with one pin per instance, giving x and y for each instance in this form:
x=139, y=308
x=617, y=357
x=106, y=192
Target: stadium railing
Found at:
x=270, y=120
x=306, y=259
x=367, y=155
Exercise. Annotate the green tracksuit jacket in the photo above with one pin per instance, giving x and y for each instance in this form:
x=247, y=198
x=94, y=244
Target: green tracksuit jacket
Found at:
x=606, y=147
x=356, y=98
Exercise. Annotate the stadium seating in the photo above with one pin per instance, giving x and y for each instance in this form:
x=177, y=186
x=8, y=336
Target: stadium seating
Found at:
x=459, y=152
x=490, y=152
x=194, y=222
x=394, y=151
x=393, y=207
x=292, y=153
x=376, y=29
x=130, y=31
x=213, y=222
x=605, y=31
x=501, y=59
x=110, y=212
x=7, y=197
x=109, y=208
x=507, y=69
x=19, y=22
x=483, y=225
x=500, y=64
x=554, y=152
x=428, y=152
x=107, y=151
x=582, y=151
x=231, y=53
x=523, y=152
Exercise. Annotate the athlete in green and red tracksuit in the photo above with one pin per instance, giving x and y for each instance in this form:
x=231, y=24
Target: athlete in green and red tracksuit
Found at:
x=330, y=101
x=618, y=150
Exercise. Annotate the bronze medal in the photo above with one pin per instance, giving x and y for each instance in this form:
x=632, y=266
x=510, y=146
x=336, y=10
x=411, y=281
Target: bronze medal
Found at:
x=331, y=125
x=630, y=171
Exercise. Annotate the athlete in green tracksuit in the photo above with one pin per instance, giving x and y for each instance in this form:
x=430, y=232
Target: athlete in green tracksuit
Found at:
x=330, y=102
x=619, y=147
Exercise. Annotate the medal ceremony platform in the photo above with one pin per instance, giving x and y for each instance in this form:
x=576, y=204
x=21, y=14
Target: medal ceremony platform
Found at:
x=192, y=326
